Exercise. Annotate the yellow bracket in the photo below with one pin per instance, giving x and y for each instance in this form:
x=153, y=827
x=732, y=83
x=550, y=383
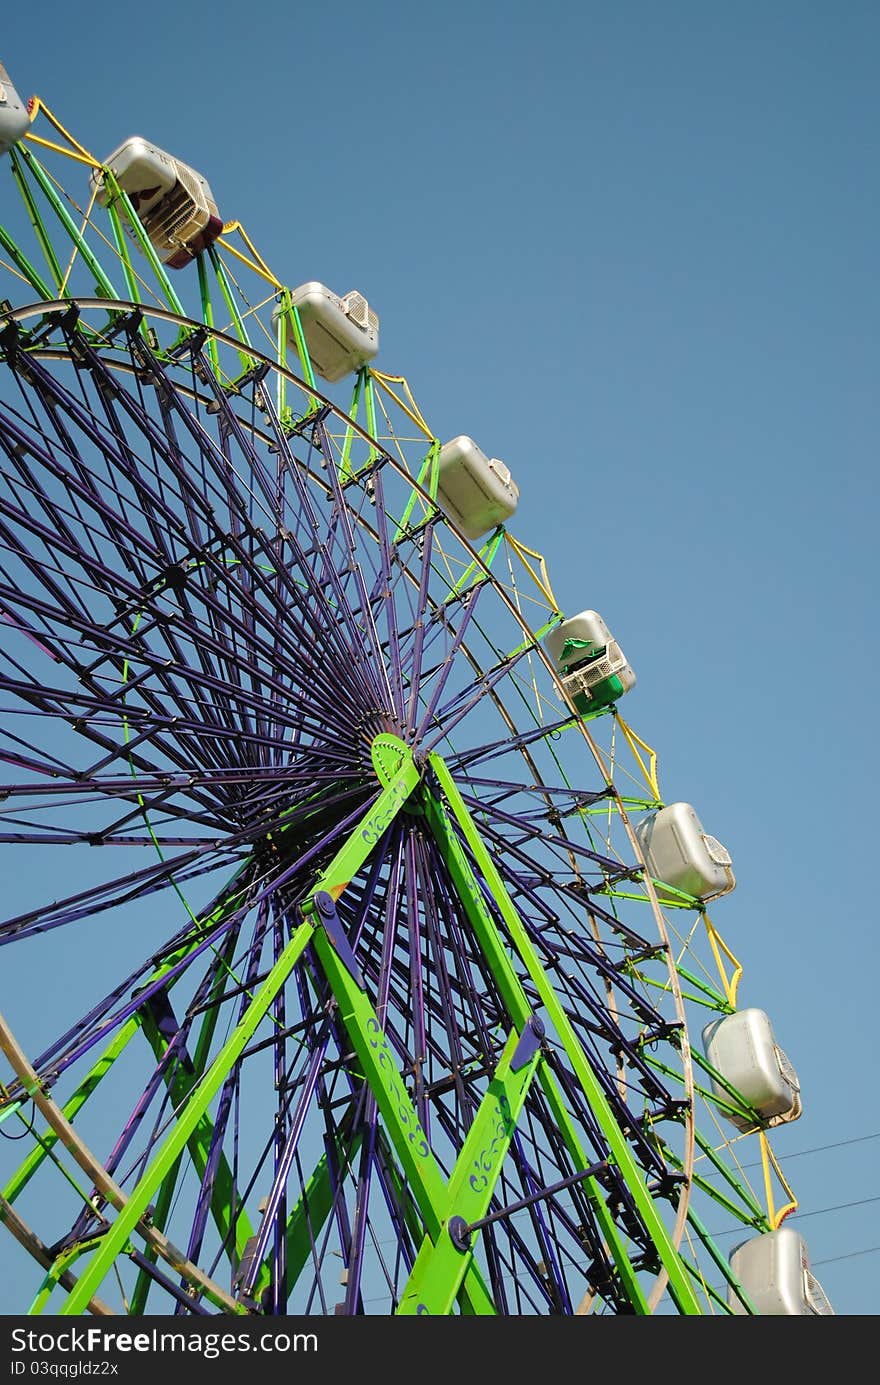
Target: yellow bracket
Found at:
x=636, y=744
x=769, y=1162
x=257, y=264
x=542, y=582
x=76, y=151
x=719, y=946
x=413, y=412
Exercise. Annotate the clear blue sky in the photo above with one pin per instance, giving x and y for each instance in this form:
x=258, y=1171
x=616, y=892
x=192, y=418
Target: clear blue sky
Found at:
x=631, y=249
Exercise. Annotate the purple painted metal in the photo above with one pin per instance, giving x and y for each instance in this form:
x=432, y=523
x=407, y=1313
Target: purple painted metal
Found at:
x=183, y=1299
x=332, y=925
x=227, y=1092
x=539, y=1195
x=279, y=1247
x=235, y=625
x=450, y=717
x=530, y=1041
x=131, y=1007
x=417, y=1055
x=382, y=597
x=469, y=604
x=413, y=668
x=285, y=1161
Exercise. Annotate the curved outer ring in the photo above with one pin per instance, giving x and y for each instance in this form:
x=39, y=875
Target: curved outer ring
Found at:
x=45, y=309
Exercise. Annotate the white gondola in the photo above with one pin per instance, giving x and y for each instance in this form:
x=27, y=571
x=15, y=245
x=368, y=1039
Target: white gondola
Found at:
x=173, y=202
x=774, y=1271
x=742, y=1049
x=681, y=854
x=341, y=333
x=14, y=118
x=591, y=664
x=477, y=492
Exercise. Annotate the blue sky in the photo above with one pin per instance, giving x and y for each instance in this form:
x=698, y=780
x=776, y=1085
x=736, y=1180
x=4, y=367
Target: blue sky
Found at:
x=631, y=250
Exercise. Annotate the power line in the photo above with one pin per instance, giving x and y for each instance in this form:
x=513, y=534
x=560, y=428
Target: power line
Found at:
x=840, y=1207
x=818, y=1149
x=850, y=1255
x=801, y=1216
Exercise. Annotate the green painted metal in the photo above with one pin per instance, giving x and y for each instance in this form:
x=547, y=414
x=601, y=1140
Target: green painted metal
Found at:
x=717, y=1001
x=117, y=1045
x=46, y=1152
x=28, y=1168
x=104, y=286
x=118, y=198
x=289, y=313
x=302, y=349
x=333, y=880
x=89, y=1084
x=120, y=1041
x=25, y=267
x=421, y=1171
x=207, y=310
x=375, y=822
x=711, y=1155
x=684, y=902
x=679, y=1281
x=538, y=635
x=441, y=1265
x=388, y=753
x=40, y=231
x=519, y=1008
x=284, y=414
x=737, y=1105
x=131, y=280
x=476, y=572
x=722, y=1264
x=50, y=1280
x=235, y=317
x=127, y=1219
x=379, y=1066
x=370, y=405
x=180, y=1084
x=346, y=472
x=427, y=479
x=11, y=1107
x=163, y=1204
x=758, y=1216
x=759, y=1219
x=479, y=1304
x=628, y=802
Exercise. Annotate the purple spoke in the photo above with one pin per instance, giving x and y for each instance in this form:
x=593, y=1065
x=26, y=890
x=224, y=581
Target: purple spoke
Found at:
x=204, y=629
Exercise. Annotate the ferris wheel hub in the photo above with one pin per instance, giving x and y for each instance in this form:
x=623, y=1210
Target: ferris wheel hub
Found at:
x=389, y=754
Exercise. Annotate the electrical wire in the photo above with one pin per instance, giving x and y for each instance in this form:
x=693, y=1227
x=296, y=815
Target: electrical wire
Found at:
x=802, y=1216
x=850, y=1255
x=817, y=1149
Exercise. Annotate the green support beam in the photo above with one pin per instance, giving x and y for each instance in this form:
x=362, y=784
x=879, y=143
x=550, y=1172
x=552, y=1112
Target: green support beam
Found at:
x=679, y=1281
x=442, y=1265
x=117, y=1045
x=104, y=286
x=519, y=1008
x=344, y=866
x=422, y=1173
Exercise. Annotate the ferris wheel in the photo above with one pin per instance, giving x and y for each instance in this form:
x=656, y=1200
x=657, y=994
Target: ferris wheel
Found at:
x=376, y=975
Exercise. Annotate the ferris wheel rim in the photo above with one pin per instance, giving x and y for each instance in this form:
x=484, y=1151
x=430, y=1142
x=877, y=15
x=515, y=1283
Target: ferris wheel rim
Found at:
x=64, y=306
